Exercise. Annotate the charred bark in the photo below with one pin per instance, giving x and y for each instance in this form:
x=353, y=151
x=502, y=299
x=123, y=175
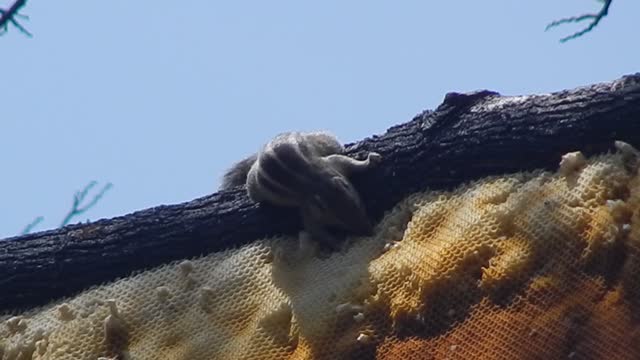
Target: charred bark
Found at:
x=469, y=136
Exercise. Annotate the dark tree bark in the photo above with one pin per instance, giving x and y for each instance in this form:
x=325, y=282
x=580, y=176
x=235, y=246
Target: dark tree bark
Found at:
x=468, y=137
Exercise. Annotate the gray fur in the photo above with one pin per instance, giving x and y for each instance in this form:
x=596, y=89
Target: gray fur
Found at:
x=310, y=172
x=237, y=175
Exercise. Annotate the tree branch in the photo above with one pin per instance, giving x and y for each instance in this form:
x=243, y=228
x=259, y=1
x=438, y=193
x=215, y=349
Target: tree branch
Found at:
x=27, y=229
x=9, y=16
x=595, y=19
x=78, y=198
x=469, y=136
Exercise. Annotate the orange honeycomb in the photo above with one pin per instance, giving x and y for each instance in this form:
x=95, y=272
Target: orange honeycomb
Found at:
x=526, y=266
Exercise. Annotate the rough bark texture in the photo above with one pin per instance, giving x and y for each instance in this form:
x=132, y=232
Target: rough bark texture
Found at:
x=468, y=137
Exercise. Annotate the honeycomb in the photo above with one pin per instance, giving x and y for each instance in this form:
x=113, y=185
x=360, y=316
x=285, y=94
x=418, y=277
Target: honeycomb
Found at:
x=533, y=265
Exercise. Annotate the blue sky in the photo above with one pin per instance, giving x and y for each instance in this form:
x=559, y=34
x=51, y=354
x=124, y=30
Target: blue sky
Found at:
x=160, y=100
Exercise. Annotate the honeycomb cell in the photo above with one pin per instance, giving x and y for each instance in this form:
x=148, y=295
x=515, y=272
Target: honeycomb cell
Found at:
x=532, y=265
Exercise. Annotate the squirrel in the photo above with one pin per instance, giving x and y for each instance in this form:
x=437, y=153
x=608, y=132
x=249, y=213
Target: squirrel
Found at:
x=310, y=172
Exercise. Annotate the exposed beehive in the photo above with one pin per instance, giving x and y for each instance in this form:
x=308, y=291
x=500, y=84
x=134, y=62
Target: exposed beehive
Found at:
x=526, y=266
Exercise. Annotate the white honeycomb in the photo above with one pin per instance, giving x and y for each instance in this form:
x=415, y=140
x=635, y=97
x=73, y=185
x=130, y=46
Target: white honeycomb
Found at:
x=524, y=266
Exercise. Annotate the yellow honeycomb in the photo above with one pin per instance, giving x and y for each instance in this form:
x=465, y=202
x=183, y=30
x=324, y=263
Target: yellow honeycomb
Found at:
x=526, y=266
